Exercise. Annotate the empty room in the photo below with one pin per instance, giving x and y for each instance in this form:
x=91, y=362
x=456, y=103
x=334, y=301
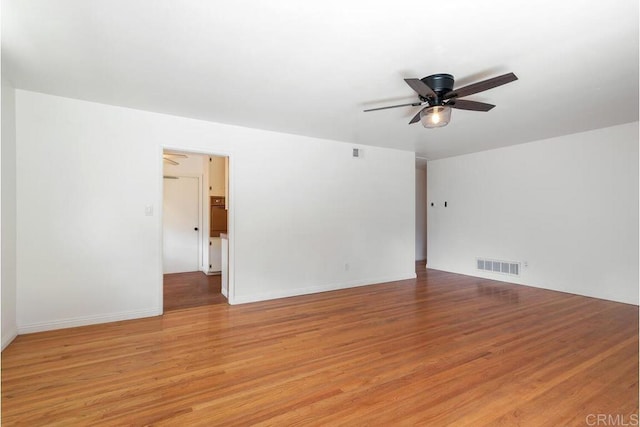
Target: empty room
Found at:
x=318, y=214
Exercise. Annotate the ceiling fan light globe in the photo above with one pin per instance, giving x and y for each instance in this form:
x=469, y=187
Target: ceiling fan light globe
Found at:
x=435, y=117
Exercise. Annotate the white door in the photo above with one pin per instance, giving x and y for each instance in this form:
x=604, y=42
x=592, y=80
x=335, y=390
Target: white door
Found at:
x=180, y=225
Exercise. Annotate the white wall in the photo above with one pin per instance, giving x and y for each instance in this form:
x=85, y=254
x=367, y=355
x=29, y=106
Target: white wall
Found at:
x=8, y=205
x=304, y=216
x=568, y=206
x=421, y=213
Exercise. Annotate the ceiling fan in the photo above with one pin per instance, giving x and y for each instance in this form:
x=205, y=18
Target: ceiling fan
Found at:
x=167, y=157
x=437, y=93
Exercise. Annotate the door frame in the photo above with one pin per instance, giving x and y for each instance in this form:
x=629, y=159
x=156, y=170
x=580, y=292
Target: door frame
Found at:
x=230, y=212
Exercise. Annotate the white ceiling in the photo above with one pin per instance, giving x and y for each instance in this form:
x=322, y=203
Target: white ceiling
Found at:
x=310, y=68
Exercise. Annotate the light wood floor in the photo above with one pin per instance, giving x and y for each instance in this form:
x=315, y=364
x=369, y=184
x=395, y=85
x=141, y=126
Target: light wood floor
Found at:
x=444, y=349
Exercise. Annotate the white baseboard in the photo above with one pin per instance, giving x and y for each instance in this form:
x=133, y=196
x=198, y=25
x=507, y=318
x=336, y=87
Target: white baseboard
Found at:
x=6, y=340
x=86, y=320
x=210, y=272
x=316, y=289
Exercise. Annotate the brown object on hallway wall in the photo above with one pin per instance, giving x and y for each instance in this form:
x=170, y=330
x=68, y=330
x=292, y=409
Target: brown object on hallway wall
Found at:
x=217, y=216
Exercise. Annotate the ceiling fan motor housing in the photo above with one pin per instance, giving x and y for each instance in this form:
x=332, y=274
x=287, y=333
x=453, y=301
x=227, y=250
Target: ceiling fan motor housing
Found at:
x=440, y=83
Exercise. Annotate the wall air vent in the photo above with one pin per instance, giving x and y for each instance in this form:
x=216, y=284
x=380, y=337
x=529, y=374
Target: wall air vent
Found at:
x=497, y=266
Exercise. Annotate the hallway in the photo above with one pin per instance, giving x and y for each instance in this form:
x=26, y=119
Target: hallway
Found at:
x=193, y=289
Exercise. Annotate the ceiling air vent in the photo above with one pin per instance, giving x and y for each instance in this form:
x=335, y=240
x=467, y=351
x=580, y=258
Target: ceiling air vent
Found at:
x=497, y=266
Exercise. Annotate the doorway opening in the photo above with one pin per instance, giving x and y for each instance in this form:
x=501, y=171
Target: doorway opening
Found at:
x=195, y=218
x=421, y=210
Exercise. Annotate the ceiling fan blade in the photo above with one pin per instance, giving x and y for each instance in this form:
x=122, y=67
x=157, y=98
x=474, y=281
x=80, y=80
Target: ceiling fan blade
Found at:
x=416, y=118
x=413, y=104
x=464, y=104
x=173, y=162
x=481, y=86
x=421, y=88
x=184, y=156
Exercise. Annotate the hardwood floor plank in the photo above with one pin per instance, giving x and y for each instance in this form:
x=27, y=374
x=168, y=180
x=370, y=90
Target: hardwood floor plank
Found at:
x=443, y=349
x=192, y=289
